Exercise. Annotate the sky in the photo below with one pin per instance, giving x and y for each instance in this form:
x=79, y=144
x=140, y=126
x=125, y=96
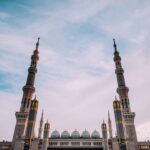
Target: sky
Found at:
x=76, y=82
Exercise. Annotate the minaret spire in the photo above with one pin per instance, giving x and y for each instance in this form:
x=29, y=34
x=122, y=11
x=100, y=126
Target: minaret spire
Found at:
x=109, y=126
x=41, y=126
x=37, y=44
x=115, y=46
x=110, y=133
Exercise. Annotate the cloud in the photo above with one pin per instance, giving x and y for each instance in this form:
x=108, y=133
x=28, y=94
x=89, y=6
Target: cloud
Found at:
x=9, y=104
x=4, y=15
x=143, y=131
x=75, y=83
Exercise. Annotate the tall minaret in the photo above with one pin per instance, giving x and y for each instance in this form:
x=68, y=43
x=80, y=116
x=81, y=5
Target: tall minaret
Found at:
x=122, y=90
x=28, y=90
x=104, y=135
x=45, y=136
x=41, y=127
x=119, y=124
x=31, y=124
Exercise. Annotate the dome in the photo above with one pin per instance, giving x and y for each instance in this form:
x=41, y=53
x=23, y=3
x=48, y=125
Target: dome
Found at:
x=55, y=135
x=75, y=135
x=65, y=135
x=85, y=134
x=95, y=135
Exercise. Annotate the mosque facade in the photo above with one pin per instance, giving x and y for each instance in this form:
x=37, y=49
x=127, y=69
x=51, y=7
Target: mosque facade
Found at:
x=24, y=137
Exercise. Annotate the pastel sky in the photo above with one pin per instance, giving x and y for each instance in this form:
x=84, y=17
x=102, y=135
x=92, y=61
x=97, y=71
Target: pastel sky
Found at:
x=76, y=82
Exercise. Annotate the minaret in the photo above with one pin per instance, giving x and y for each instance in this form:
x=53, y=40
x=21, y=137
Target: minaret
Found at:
x=45, y=136
x=28, y=90
x=119, y=124
x=104, y=135
x=122, y=90
x=41, y=127
x=109, y=126
x=31, y=124
x=110, y=133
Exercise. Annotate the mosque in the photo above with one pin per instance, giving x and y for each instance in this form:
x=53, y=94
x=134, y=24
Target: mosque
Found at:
x=24, y=137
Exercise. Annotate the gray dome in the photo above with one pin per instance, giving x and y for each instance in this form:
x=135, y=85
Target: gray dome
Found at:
x=65, y=135
x=85, y=134
x=75, y=135
x=55, y=135
x=95, y=135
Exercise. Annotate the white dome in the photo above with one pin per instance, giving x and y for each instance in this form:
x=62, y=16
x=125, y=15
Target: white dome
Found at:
x=65, y=135
x=75, y=135
x=95, y=135
x=55, y=135
x=85, y=134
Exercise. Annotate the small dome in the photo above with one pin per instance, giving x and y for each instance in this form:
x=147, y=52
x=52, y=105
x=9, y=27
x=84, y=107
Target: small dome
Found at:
x=65, y=135
x=95, y=135
x=85, y=134
x=75, y=135
x=55, y=135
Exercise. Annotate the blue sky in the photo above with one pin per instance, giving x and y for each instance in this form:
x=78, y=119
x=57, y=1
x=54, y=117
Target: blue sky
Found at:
x=75, y=78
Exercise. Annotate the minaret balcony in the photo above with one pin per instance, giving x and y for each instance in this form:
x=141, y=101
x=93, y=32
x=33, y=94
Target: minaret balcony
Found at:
x=32, y=69
x=129, y=116
x=29, y=88
x=119, y=70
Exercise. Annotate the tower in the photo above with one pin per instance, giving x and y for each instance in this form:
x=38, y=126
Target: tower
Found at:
x=109, y=126
x=127, y=114
x=28, y=90
x=119, y=124
x=110, y=132
x=31, y=124
x=104, y=135
x=41, y=127
x=45, y=136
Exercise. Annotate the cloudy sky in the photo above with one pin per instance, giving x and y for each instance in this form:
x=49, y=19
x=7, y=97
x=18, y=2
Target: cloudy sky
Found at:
x=75, y=83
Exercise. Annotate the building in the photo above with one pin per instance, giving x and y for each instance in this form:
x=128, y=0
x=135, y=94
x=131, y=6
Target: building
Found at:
x=24, y=138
